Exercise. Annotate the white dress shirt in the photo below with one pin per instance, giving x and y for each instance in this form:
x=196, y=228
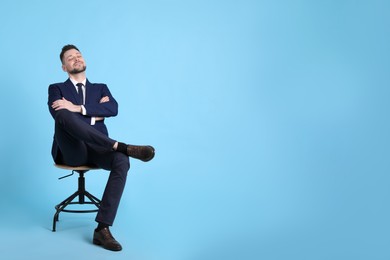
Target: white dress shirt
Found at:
x=83, y=110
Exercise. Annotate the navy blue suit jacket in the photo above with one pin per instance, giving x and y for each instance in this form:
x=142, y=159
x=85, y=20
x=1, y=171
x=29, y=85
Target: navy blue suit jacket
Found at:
x=94, y=92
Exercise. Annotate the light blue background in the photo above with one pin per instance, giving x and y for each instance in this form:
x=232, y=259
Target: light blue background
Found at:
x=270, y=121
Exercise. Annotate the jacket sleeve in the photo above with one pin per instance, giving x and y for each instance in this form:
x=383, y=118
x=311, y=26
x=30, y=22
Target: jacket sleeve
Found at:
x=54, y=94
x=96, y=109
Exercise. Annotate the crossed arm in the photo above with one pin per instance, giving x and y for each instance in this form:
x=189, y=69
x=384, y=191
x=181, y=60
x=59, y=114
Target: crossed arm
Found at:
x=66, y=104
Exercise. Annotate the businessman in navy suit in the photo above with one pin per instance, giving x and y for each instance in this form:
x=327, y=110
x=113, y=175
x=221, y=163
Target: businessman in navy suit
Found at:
x=79, y=109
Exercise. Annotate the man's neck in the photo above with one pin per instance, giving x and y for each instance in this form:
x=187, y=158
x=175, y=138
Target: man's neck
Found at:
x=79, y=77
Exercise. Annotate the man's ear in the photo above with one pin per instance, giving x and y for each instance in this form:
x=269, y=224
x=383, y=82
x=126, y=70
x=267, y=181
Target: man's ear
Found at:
x=64, y=68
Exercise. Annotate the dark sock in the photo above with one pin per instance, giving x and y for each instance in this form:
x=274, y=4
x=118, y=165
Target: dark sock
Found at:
x=101, y=226
x=122, y=148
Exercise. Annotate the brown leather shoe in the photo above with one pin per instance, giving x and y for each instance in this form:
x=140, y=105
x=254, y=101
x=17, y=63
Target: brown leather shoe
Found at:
x=143, y=153
x=105, y=239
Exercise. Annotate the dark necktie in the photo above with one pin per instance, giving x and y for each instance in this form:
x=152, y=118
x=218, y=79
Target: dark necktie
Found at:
x=80, y=91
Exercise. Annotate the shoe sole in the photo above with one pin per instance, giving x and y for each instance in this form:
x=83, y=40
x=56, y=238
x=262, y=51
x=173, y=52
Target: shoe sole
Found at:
x=98, y=243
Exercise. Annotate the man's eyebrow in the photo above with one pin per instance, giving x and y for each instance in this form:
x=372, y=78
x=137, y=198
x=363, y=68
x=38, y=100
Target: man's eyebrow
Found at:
x=76, y=53
x=71, y=55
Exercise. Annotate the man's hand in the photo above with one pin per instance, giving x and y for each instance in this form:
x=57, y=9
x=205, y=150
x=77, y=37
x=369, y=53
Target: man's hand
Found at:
x=65, y=104
x=103, y=100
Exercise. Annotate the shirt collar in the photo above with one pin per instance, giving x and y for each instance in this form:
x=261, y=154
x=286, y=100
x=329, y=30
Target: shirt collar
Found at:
x=74, y=82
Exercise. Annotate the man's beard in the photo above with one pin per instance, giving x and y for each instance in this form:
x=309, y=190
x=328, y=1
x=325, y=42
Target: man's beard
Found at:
x=77, y=71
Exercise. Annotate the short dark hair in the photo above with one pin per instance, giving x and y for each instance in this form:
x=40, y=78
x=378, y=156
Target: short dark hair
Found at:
x=65, y=49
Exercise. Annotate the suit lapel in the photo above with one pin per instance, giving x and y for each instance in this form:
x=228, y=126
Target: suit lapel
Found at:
x=88, y=93
x=70, y=87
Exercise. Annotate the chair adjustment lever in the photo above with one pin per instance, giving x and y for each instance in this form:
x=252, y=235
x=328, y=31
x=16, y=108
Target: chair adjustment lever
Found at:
x=66, y=176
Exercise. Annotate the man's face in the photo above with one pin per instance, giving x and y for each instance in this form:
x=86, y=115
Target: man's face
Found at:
x=73, y=62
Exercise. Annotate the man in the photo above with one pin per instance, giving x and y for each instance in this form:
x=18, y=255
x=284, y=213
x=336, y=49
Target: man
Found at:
x=81, y=137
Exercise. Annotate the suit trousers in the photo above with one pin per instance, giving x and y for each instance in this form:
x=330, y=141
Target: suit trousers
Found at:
x=81, y=144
